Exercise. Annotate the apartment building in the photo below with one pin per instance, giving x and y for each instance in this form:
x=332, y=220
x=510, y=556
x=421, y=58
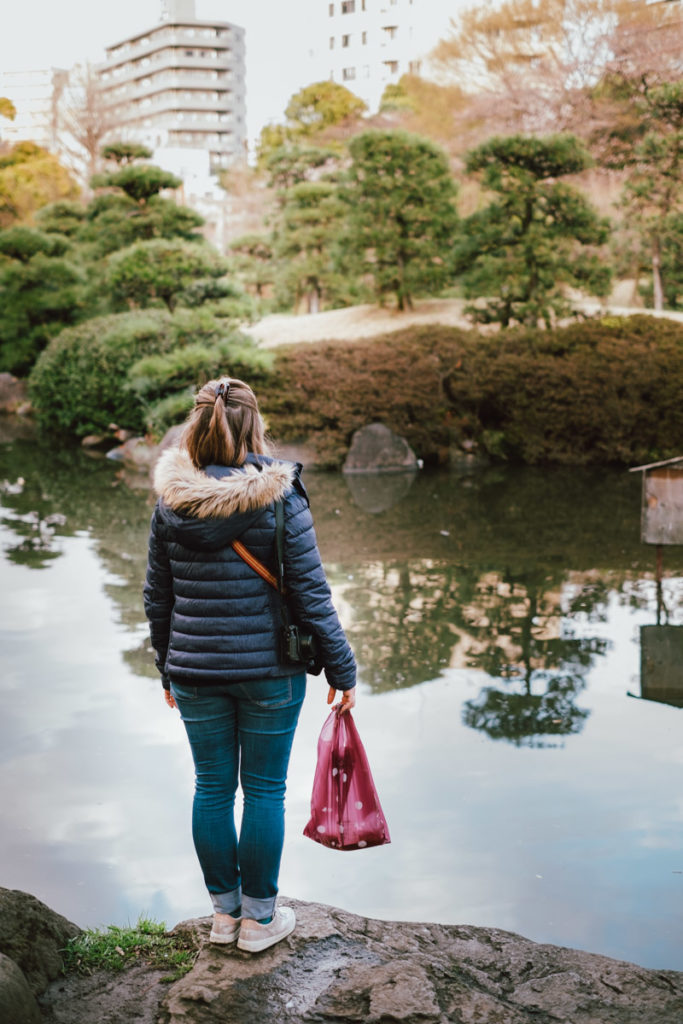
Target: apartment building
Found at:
x=34, y=94
x=180, y=85
x=371, y=43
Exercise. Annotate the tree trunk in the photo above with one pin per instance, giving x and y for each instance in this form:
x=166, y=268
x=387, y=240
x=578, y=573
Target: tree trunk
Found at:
x=658, y=291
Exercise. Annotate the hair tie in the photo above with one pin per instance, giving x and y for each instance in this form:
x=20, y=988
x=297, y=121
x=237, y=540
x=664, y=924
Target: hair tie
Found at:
x=222, y=390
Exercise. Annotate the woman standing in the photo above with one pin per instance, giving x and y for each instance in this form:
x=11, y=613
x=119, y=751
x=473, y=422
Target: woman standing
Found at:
x=214, y=625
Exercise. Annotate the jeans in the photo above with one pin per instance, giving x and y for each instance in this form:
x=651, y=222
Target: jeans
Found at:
x=244, y=729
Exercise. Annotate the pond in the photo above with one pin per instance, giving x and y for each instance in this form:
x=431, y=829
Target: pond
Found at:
x=519, y=676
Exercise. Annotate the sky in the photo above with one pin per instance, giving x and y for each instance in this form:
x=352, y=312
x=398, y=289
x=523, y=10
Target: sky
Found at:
x=38, y=34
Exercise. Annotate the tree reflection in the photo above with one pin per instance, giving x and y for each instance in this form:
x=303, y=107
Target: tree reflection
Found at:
x=522, y=640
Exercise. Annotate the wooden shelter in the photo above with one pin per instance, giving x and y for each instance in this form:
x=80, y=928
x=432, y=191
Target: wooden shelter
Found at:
x=661, y=520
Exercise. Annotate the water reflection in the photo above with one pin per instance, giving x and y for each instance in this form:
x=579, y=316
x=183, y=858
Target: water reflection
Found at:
x=495, y=619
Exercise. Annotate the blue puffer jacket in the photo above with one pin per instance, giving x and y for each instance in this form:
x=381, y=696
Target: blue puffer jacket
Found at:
x=212, y=618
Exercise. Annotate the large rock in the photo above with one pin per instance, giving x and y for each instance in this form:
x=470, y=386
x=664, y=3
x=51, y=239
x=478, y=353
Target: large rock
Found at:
x=17, y=1002
x=32, y=935
x=376, y=449
x=337, y=967
x=13, y=396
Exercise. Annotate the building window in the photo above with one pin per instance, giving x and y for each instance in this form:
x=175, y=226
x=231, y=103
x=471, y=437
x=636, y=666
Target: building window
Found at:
x=348, y=74
x=348, y=6
x=189, y=53
x=366, y=71
x=332, y=42
x=346, y=40
x=391, y=31
x=391, y=66
x=414, y=67
x=331, y=10
x=364, y=38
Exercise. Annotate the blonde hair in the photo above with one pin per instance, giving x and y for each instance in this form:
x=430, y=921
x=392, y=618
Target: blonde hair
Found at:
x=225, y=425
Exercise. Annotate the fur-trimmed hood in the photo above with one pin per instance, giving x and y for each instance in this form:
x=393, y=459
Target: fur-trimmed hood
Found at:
x=208, y=509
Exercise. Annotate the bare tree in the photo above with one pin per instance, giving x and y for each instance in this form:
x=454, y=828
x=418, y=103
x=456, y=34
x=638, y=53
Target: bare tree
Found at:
x=83, y=121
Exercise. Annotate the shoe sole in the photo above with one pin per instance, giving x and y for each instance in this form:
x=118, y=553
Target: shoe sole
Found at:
x=224, y=940
x=258, y=945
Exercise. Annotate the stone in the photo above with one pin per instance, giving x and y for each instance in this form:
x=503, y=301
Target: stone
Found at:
x=13, y=394
x=377, y=449
x=135, y=452
x=17, y=1002
x=32, y=935
x=339, y=968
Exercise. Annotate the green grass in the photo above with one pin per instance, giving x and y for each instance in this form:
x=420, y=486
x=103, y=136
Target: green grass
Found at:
x=116, y=948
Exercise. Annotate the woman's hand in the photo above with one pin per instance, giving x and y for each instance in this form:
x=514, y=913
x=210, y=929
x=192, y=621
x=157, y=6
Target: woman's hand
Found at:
x=168, y=697
x=348, y=699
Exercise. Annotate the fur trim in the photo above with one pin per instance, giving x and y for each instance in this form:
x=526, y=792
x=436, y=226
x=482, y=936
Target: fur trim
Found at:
x=190, y=491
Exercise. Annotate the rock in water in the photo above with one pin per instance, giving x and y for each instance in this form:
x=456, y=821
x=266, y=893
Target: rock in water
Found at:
x=376, y=449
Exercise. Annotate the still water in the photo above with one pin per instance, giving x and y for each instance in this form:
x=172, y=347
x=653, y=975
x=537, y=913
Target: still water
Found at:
x=528, y=766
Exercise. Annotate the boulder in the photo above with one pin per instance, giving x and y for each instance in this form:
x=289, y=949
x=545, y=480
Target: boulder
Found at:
x=32, y=935
x=338, y=968
x=13, y=397
x=377, y=449
x=17, y=1002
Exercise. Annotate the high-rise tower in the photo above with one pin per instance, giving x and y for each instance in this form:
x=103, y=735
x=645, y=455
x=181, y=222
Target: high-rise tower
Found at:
x=181, y=84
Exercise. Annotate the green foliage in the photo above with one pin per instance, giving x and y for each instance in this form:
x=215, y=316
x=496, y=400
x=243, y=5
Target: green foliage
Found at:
x=322, y=105
x=139, y=181
x=402, y=216
x=118, y=948
x=252, y=257
x=41, y=291
x=289, y=165
x=166, y=383
x=653, y=194
x=594, y=392
x=65, y=217
x=95, y=373
x=539, y=236
x=309, y=246
x=126, y=152
x=162, y=270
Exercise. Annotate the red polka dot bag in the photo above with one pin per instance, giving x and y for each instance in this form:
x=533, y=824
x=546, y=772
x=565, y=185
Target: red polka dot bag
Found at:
x=345, y=810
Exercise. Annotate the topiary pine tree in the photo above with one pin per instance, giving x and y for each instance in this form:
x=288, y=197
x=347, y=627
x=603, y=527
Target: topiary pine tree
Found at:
x=538, y=236
x=402, y=217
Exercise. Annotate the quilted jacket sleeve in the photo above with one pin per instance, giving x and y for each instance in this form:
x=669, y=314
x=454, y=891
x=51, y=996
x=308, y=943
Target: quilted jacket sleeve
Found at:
x=310, y=597
x=158, y=596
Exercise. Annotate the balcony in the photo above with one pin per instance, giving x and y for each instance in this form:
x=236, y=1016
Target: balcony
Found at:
x=165, y=36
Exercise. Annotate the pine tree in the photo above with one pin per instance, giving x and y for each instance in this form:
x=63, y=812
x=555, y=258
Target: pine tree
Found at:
x=536, y=237
x=402, y=216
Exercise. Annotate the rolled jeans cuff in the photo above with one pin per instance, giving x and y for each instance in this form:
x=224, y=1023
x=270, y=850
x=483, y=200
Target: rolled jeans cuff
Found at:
x=226, y=902
x=257, y=910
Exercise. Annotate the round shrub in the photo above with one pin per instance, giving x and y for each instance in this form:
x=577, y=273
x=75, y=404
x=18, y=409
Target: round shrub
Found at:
x=80, y=383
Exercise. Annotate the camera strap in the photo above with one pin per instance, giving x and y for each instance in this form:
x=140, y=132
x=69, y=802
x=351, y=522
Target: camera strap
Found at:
x=278, y=582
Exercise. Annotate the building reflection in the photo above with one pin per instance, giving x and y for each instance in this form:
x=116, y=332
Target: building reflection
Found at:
x=661, y=664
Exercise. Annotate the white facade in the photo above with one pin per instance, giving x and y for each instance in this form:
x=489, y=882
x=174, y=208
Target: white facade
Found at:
x=369, y=44
x=34, y=95
x=181, y=84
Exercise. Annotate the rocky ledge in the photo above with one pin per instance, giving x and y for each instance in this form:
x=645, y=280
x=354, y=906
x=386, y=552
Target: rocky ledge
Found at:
x=338, y=968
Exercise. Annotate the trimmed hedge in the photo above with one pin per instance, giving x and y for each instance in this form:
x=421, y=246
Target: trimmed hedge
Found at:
x=101, y=371
x=600, y=391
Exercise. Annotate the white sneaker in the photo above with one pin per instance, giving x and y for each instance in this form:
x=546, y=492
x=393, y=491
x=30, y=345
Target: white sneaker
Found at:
x=225, y=929
x=255, y=937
